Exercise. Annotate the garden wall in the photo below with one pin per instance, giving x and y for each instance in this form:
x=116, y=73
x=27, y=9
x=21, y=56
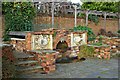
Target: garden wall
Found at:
x=68, y=22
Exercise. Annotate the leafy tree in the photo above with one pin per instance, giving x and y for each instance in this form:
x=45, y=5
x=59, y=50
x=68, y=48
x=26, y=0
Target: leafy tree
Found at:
x=101, y=6
x=18, y=16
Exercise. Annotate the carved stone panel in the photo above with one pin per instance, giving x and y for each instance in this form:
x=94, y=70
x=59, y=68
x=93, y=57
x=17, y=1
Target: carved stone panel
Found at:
x=40, y=42
x=78, y=39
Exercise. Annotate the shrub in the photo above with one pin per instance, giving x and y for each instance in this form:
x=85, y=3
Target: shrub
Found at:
x=93, y=18
x=111, y=34
x=102, y=32
x=91, y=35
x=84, y=28
x=118, y=31
x=86, y=51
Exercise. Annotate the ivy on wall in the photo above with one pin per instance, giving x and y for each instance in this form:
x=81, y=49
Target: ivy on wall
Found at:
x=91, y=17
x=18, y=16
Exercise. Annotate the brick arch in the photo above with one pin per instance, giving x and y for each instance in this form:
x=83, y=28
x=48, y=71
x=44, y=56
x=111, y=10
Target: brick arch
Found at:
x=57, y=40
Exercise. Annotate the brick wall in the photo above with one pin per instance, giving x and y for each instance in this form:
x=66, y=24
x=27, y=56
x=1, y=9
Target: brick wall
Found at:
x=111, y=25
x=68, y=22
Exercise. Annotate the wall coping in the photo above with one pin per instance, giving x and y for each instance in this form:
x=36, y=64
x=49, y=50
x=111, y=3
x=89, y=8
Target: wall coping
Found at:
x=19, y=33
x=17, y=39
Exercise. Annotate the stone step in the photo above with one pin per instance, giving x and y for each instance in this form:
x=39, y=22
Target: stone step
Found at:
x=24, y=69
x=20, y=55
x=30, y=72
x=25, y=59
x=26, y=62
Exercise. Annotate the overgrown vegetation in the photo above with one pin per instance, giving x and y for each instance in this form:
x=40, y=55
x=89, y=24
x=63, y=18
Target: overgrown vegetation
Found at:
x=91, y=35
x=101, y=6
x=100, y=42
x=18, y=16
x=93, y=18
x=86, y=51
x=118, y=31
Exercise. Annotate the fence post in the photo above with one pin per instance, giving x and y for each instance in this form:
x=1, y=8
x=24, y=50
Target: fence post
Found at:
x=87, y=13
x=105, y=20
x=52, y=9
x=75, y=16
x=118, y=16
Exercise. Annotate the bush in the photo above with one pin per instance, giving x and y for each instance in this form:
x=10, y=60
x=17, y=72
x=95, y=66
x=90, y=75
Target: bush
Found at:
x=91, y=35
x=102, y=32
x=93, y=18
x=118, y=31
x=84, y=28
x=111, y=34
x=86, y=51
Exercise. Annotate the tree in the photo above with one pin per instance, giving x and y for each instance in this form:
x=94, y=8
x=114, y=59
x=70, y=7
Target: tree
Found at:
x=18, y=16
x=101, y=6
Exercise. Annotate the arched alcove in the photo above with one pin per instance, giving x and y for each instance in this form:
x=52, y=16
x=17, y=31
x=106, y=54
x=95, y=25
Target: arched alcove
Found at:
x=62, y=46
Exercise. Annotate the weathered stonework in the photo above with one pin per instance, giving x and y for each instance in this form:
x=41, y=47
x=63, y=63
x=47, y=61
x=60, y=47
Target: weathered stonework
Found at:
x=114, y=44
x=37, y=41
x=28, y=41
x=8, y=59
x=103, y=52
x=48, y=39
x=111, y=49
x=46, y=59
x=7, y=51
x=19, y=45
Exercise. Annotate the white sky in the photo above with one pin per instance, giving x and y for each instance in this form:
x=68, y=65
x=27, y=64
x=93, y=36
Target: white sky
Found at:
x=76, y=1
